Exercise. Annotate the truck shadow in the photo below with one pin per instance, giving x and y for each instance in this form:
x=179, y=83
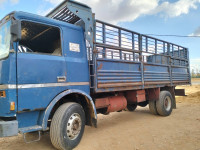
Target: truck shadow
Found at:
x=105, y=123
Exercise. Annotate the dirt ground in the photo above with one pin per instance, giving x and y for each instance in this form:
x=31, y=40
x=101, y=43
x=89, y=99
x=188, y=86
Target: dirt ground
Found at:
x=137, y=130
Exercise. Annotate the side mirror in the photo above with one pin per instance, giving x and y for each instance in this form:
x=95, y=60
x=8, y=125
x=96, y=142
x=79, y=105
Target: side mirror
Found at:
x=15, y=30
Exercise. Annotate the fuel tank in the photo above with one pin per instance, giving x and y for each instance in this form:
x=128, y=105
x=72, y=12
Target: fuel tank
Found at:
x=115, y=103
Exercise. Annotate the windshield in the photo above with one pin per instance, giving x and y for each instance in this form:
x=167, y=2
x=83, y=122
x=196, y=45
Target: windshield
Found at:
x=5, y=37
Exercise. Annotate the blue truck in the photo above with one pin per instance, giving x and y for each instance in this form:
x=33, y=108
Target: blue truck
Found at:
x=59, y=71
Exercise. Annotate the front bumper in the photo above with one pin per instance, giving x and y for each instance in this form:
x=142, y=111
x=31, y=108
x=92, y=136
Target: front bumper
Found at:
x=8, y=128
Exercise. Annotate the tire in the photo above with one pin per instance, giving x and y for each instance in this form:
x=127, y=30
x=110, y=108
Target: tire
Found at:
x=152, y=107
x=143, y=104
x=131, y=107
x=164, y=104
x=63, y=134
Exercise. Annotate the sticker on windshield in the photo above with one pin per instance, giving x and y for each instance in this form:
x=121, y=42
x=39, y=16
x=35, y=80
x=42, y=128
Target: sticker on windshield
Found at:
x=74, y=47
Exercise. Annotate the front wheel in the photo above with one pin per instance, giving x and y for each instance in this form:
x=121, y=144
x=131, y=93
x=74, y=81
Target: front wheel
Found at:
x=67, y=126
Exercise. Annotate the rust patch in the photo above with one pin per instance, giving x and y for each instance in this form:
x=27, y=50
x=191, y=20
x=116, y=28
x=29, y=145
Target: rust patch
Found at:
x=101, y=103
x=136, y=96
x=157, y=82
x=100, y=67
x=119, y=84
x=91, y=116
x=153, y=94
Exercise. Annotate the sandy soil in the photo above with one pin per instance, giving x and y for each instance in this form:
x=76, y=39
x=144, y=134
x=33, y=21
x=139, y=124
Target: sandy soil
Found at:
x=137, y=130
x=195, y=79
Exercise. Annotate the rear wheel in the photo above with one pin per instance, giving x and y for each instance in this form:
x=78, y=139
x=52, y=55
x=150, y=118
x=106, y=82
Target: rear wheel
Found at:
x=131, y=107
x=164, y=104
x=67, y=126
x=143, y=104
x=152, y=107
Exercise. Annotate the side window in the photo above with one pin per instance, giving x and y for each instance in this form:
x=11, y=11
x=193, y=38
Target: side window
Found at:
x=39, y=38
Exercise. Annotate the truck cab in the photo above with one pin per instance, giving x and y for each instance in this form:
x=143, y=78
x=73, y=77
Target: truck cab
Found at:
x=41, y=59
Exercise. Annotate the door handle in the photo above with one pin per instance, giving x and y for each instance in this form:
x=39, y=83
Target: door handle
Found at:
x=61, y=78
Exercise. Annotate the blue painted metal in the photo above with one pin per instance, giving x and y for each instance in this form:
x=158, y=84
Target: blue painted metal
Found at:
x=8, y=76
x=30, y=129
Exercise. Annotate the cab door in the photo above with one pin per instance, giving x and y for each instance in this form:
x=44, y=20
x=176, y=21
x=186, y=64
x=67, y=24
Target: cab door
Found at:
x=41, y=67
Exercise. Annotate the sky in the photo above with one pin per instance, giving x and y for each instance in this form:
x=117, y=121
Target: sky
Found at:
x=161, y=17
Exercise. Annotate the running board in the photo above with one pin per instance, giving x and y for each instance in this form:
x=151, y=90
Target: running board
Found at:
x=30, y=129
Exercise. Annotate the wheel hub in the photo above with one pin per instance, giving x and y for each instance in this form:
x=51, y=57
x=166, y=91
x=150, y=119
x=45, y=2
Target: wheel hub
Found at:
x=167, y=103
x=74, y=126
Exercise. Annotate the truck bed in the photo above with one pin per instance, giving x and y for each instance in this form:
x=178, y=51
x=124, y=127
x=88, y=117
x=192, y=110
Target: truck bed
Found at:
x=127, y=60
x=121, y=59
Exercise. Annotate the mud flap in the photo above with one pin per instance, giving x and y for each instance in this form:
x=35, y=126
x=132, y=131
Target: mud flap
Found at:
x=174, y=103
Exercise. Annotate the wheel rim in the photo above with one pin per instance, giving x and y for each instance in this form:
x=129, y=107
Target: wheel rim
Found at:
x=167, y=103
x=74, y=126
